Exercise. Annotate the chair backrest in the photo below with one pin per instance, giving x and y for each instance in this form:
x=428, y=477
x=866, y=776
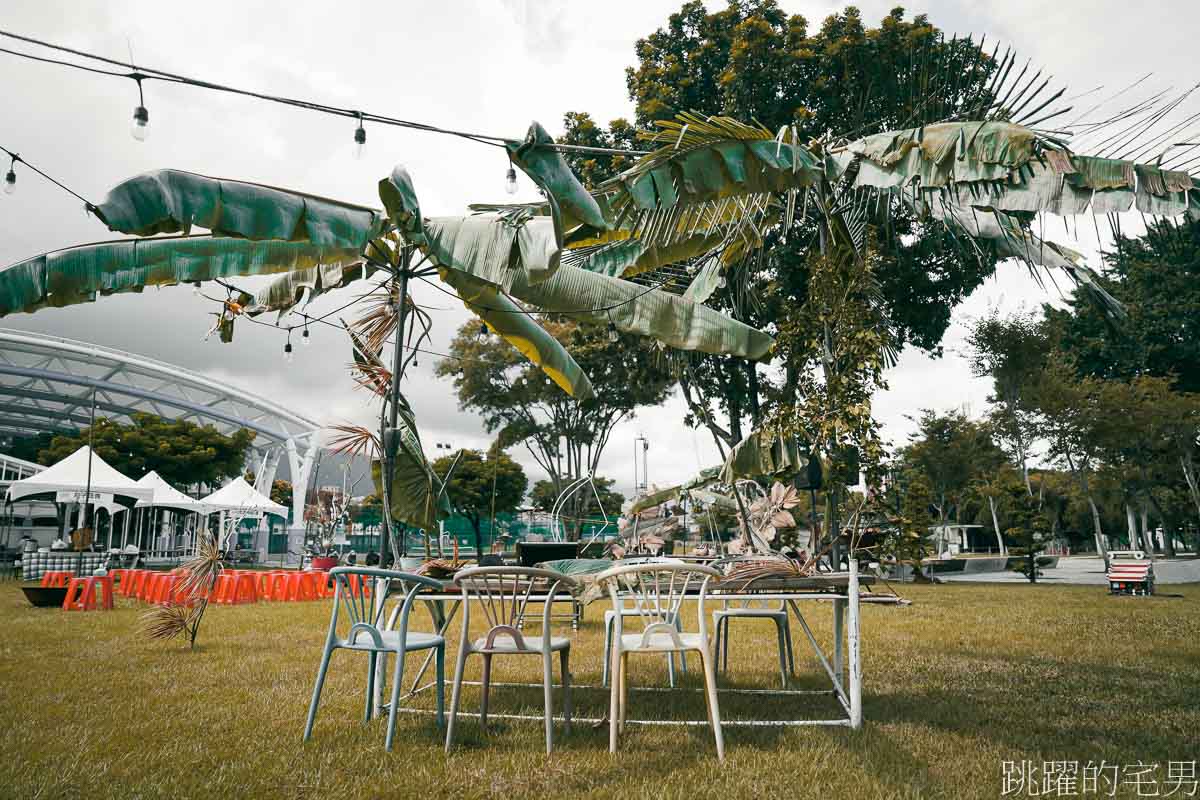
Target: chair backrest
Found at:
x=364, y=609
x=657, y=589
x=504, y=593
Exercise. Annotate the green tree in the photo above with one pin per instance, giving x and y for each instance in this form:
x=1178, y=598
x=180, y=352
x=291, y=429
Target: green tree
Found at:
x=181, y=452
x=281, y=492
x=951, y=451
x=1012, y=351
x=910, y=538
x=515, y=400
x=543, y=497
x=482, y=486
x=1157, y=278
x=1029, y=529
x=752, y=61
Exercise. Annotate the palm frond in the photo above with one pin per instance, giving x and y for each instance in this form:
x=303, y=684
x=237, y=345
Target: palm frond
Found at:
x=354, y=440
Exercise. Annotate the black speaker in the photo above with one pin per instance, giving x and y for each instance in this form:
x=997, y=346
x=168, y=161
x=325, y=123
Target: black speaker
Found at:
x=810, y=476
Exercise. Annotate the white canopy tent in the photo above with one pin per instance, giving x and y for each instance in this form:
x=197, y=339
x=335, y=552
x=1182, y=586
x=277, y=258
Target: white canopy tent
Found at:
x=238, y=500
x=167, y=496
x=82, y=477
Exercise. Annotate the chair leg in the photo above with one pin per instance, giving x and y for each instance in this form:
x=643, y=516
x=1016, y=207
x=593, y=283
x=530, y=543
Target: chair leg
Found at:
x=682, y=653
x=608, y=629
x=783, y=674
x=716, y=640
x=613, y=656
x=316, y=698
x=710, y=685
x=787, y=638
x=369, y=710
x=548, y=690
x=564, y=657
x=440, y=667
x=485, y=687
x=398, y=678
x=725, y=642
x=455, y=692
x=624, y=688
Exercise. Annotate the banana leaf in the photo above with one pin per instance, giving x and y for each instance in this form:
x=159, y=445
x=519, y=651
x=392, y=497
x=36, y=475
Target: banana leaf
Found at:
x=495, y=247
x=549, y=170
x=77, y=275
x=758, y=455
x=400, y=200
x=171, y=201
x=305, y=285
x=634, y=308
x=517, y=328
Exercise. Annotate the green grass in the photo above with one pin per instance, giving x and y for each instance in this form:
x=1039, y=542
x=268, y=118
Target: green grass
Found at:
x=967, y=677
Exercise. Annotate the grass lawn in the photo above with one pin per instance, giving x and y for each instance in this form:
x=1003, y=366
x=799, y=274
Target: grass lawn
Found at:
x=967, y=677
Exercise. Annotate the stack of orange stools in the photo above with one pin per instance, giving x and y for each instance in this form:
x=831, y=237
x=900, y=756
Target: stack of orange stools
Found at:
x=232, y=587
x=81, y=594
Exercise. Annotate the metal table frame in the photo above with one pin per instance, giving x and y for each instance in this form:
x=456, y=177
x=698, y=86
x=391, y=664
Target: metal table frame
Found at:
x=846, y=683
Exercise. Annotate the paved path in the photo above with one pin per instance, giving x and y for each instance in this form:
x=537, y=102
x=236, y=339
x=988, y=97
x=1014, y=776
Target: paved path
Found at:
x=1087, y=570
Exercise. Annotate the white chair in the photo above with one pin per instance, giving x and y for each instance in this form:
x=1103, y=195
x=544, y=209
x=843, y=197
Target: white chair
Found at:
x=504, y=593
x=367, y=635
x=657, y=591
x=629, y=611
x=753, y=609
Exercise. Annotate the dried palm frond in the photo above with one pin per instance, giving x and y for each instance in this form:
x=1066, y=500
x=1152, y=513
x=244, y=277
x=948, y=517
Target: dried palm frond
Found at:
x=354, y=440
x=441, y=567
x=167, y=621
x=746, y=572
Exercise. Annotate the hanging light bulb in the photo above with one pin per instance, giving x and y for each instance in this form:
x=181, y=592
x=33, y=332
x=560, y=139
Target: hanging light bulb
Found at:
x=721, y=281
x=360, y=139
x=287, y=352
x=510, y=180
x=140, y=127
x=613, y=335
x=10, y=181
x=483, y=330
x=304, y=340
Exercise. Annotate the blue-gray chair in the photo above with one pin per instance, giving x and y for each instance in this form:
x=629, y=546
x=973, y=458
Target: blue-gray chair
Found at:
x=365, y=634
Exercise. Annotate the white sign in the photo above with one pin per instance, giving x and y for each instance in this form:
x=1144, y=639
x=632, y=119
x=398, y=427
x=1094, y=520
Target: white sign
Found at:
x=98, y=498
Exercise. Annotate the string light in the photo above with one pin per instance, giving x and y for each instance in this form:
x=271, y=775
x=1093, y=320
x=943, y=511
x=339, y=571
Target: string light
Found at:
x=613, y=335
x=483, y=330
x=510, y=180
x=287, y=349
x=10, y=180
x=721, y=280
x=304, y=337
x=140, y=128
x=360, y=138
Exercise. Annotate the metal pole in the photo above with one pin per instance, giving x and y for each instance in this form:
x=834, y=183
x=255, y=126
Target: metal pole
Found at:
x=389, y=446
x=856, y=712
x=87, y=492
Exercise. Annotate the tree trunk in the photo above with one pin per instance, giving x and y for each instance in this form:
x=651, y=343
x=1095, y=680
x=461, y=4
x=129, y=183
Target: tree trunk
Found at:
x=1097, y=532
x=1132, y=525
x=996, y=525
x=1147, y=536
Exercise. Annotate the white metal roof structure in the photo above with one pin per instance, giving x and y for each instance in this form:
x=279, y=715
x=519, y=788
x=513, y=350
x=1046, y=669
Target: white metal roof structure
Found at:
x=237, y=495
x=167, y=496
x=74, y=475
x=47, y=384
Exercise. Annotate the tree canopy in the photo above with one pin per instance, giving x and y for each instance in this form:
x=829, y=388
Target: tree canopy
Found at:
x=482, y=485
x=181, y=452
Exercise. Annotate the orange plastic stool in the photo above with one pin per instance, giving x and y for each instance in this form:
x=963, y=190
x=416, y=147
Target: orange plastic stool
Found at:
x=81, y=594
x=56, y=578
x=279, y=585
x=142, y=584
x=164, y=589
x=128, y=581
x=302, y=586
x=245, y=588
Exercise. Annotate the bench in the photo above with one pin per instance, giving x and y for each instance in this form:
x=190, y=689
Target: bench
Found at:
x=1130, y=572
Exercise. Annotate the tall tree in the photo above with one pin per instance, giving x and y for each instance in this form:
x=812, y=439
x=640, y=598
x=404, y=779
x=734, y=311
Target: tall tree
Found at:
x=1012, y=351
x=753, y=61
x=181, y=452
x=565, y=436
x=950, y=451
x=482, y=486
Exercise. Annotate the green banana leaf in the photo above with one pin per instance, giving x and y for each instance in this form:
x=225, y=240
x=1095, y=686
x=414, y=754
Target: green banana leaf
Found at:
x=400, y=200
x=634, y=308
x=549, y=170
x=693, y=485
x=495, y=247
x=517, y=328
x=758, y=455
x=170, y=201
x=305, y=285
x=77, y=275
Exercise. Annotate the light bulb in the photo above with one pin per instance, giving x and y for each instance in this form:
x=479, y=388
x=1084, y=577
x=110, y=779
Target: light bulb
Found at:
x=141, y=124
x=510, y=181
x=304, y=340
x=721, y=281
x=613, y=336
x=483, y=329
x=10, y=182
x=287, y=353
x=360, y=141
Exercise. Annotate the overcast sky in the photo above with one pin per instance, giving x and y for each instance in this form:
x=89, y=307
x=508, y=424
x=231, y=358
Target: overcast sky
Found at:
x=481, y=66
